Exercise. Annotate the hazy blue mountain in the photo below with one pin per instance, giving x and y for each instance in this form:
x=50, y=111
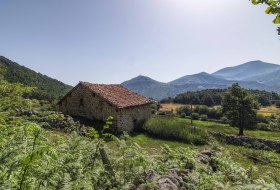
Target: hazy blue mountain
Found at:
x=159, y=90
x=150, y=88
x=270, y=79
x=248, y=71
x=200, y=78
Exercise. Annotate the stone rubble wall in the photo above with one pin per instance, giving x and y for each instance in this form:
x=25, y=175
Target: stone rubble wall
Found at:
x=248, y=141
x=131, y=118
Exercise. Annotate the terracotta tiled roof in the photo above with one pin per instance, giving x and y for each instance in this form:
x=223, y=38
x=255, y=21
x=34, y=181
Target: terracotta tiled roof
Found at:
x=117, y=95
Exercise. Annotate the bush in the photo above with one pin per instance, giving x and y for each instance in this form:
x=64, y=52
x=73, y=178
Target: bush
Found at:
x=203, y=110
x=224, y=119
x=183, y=115
x=212, y=113
x=262, y=119
x=219, y=113
x=277, y=104
x=203, y=117
x=185, y=109
x=172, y=128
x=263, y=126
x=275, y=123
x=195, y=116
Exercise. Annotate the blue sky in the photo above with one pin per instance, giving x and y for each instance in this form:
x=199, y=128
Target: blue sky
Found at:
x=110, y=41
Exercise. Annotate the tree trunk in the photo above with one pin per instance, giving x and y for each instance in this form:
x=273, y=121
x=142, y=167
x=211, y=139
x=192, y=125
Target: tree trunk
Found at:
x=241, y=129
x=106, y=161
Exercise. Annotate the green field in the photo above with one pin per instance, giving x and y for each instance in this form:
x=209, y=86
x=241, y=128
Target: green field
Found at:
x=225, y=128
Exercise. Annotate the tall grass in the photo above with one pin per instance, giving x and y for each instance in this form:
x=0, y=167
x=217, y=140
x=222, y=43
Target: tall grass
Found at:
x=170, y=128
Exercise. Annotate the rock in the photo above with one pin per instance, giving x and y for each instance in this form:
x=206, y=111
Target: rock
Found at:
x=152, y=175
x=167, y=184
x=257, y=143
x=209, y=153
x=202, y=158
x=183, y=173
x=173, y=175
x=190, y=166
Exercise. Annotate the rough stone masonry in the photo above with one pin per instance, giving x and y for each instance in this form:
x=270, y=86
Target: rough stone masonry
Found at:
x=99, y=101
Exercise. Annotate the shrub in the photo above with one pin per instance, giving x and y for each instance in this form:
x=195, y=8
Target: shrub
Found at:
x=183, y=115
x=262, y=119
x=161, y=113
x=195, y=116
x=203, y=117
x=219, y=113
x=184, y=109
x=212, y=113
x=203, y=110
x=172, y=128
x=263, y=126
x=275, y=123
x=224, y=119
x=277, y=104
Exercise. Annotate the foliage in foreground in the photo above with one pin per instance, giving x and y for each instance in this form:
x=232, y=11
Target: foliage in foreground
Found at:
x=273, y=8
x=32, y=157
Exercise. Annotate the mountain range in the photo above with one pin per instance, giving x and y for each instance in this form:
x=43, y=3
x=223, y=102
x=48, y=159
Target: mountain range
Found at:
x=251, y=75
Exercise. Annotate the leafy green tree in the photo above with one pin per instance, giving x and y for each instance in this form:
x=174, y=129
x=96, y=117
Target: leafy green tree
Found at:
x=2, y=72
x=208, y=101
x=239, y=108
x=273, y=8
x=275, y=123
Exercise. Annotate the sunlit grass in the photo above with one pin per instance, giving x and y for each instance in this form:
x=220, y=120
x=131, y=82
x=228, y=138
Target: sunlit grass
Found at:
x=268, y=111
x=173, y=129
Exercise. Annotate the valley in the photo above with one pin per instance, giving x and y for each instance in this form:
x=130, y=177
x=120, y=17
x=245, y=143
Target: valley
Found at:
x=67, y=152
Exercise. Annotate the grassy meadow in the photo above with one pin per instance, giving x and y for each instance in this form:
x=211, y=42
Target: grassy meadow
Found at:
x=158, y=123
x=172, y=128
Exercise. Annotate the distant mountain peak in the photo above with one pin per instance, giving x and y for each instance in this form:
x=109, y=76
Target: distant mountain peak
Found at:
x=203, y=73
x=142, y=78
x=247, y=71
x=268, y=80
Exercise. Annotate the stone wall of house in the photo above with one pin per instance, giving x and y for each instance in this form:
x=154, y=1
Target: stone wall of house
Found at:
x=83, y=102
x=131, y=118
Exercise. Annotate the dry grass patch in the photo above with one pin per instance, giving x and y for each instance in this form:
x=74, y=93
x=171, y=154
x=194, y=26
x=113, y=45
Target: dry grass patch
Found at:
x=172, y=106
x=268, y=111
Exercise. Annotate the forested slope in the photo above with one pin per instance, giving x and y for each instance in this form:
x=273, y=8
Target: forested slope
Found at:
x=47, y=88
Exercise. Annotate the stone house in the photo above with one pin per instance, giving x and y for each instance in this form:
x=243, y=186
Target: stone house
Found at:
x=99, y=101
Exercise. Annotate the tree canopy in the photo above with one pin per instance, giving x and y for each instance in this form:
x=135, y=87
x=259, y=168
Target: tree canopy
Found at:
x=211, y=97
x=239, y=107
x=273, y=8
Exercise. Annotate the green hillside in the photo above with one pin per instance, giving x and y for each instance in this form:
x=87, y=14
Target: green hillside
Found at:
x=47, y=88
